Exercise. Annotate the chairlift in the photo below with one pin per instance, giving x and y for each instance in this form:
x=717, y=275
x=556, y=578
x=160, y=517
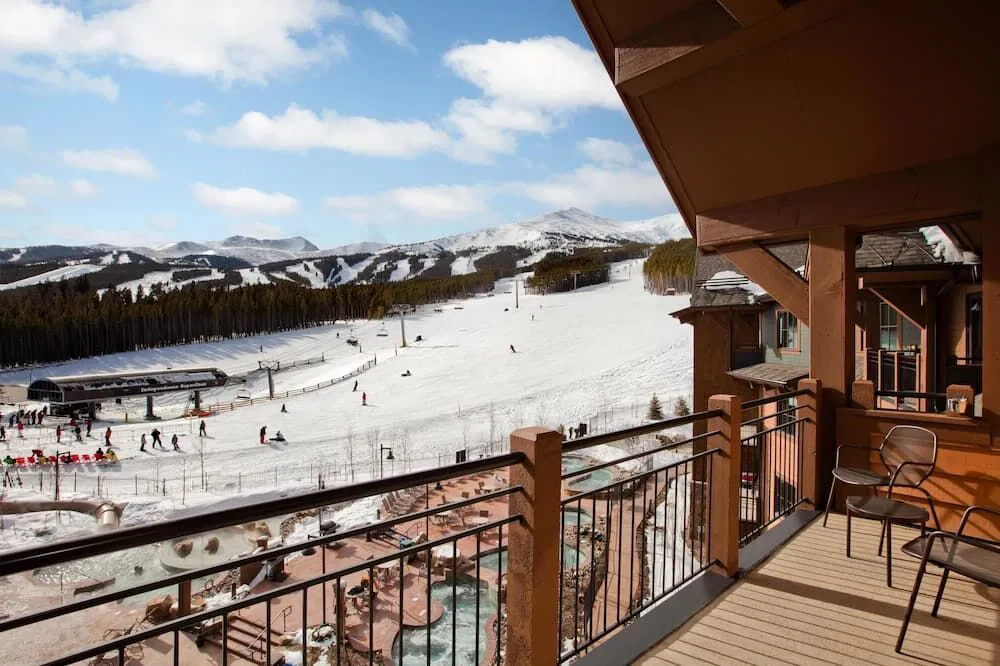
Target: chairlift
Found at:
x=243, y=395
x=382, y=332
x=352, y=339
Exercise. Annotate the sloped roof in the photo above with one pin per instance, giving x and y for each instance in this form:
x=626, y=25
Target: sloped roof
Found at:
x=877, y=251
x=771, y=374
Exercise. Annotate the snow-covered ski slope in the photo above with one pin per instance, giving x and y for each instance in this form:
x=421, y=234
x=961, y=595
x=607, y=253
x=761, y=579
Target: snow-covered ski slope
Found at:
x=602, y=350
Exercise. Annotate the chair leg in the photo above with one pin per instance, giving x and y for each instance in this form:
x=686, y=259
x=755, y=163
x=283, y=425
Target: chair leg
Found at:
x=913, y=601
x=940, y=593
x=888, y=552
x=881, y=540
x=829, y=500
x=848, y=532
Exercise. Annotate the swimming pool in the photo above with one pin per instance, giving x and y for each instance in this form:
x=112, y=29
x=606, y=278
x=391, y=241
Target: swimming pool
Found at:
x=572, y=558
x=460, y=610
x=592, y=481
x=573, y=517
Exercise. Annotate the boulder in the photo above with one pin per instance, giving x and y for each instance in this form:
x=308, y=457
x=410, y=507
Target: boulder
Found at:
x=158, y=610
x=212, y=545
x=183, y=548
x=263, y=529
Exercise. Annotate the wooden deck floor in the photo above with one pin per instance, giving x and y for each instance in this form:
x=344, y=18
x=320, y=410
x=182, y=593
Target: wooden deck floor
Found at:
x=810, y=604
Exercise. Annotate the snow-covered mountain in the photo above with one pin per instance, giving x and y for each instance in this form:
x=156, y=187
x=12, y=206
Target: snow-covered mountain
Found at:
x=254, y=251
x=244, y=260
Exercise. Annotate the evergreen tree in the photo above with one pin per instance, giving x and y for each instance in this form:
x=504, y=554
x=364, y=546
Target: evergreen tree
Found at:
x=681, y=407
x=655, y=409
x=671, y=266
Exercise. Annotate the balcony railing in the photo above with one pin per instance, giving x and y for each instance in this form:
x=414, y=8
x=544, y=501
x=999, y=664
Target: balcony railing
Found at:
x=435, y=582
x=772, y=456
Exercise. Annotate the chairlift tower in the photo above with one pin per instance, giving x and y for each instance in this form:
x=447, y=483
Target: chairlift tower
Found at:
x=401, y=309
x=270, y=367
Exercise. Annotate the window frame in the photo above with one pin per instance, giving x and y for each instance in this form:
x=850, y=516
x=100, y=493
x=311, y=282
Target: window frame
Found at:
x=777, y=331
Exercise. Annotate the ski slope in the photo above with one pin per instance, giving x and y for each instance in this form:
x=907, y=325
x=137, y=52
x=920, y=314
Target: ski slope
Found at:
x=599, y=352
x=55, y=275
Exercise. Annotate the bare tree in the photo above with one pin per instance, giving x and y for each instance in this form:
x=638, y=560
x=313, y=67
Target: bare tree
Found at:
x=373, y=452
x=350, y=449
x=492, y=411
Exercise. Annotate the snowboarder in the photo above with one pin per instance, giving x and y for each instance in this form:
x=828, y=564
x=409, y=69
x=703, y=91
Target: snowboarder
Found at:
x=3, y=434
x=202, y=429
x=364, y=399
x=78, y=433
x=156, y=438
x=173, y=441
x=263, y=433
x=278, y=437
x=58, y=434
x=284, y=410
x=406, y=374
x=142, y=442
x=355, y=386
x=514, y=351
x=532, y=317
x=107, y=437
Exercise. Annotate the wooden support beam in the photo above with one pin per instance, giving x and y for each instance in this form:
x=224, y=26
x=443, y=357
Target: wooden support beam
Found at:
x=684, y=32
x=659, y=71
x=947, y=190
x=777, y=279
x=832, y=298
x=874, y=279
x=749, y=12
x=907, y=301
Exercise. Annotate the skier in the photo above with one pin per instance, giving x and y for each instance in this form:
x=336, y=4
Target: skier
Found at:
x=355, y=386
x=173, y=440
x=364, y=399
x=142, y=442
x=58, y=434
x=78, y=433
x=156, y=438
x=41, y=417
x=107, y=437
x=263, y=433
x=532, y=317
x=20, y=428
x=202, y=429
x=3, y=434
x=512, y=349
x=89, y=424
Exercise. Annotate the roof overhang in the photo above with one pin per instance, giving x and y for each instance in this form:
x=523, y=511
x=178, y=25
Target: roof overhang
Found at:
x=869, y=112
x=777, y=375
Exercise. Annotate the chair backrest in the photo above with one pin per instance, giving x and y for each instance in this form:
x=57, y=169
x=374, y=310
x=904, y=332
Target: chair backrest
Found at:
x=909, y=444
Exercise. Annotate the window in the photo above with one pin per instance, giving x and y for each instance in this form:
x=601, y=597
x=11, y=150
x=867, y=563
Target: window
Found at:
x=974, y=328
x=896, y=333
x=789, y=417
x=788, y=330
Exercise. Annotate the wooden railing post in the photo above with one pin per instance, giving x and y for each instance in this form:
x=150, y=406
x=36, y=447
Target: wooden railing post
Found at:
x=863, y=394
x=810, y=402
x=533, y=549
x=725, y=507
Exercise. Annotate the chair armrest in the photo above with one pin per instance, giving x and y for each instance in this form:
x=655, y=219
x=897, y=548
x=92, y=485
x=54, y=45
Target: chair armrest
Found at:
x=852, y=446
x=975, y=509
x=900, y=467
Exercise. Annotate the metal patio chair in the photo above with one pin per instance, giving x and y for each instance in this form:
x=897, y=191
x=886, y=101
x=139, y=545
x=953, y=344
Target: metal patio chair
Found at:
x=909, y=455
x=978, y=559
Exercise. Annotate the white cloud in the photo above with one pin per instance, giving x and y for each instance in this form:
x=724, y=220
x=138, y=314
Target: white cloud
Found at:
x=591, y=186
x=36, y=185
x=390, y=26
x=83, y=188
x=607, y=151
x=257, y=230
x=51, y=42
x=434, y=202
x=12, y=201
x=527, y=87
x=13, y=138
x=244, y=201
x=121, y=161
x=299, y=129
x=195, y=108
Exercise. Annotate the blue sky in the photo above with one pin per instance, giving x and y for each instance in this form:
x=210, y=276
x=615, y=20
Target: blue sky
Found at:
x=150, y=121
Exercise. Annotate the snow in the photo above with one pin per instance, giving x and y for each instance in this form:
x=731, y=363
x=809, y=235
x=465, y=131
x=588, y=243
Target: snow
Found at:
x=401, y=272
x=726, y=280
x=463, y=265
x=165, y=278
x=308, y=270
x=672, y=562
x=945, y=249
x=253, y=276
x=55, y=275
x=594, y=355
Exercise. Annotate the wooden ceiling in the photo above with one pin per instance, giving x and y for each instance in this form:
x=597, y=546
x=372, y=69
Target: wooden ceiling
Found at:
x=760, y=112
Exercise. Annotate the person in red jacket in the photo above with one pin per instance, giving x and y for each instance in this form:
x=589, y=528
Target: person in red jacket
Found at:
x=364, y=399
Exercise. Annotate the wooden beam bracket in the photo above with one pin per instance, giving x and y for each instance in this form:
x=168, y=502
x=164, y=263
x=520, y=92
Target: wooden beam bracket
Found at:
x=777, y=279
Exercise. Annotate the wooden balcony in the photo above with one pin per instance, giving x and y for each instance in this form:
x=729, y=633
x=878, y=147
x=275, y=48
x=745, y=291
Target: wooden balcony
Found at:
x=810, y=604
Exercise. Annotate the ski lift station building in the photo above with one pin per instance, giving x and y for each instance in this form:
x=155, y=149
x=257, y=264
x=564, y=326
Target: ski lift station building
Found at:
x=88, y=390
